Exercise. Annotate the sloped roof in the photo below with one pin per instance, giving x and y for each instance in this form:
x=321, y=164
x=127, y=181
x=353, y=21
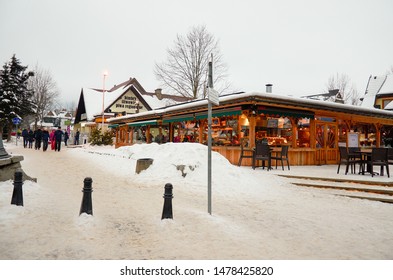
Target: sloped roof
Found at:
x=93, y=97
x=377, y=86
x=275, y=100
x=93, y=100
x=387, y=87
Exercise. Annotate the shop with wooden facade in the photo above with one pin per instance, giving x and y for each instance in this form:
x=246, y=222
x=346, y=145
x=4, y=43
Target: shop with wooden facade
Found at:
x=312, y=129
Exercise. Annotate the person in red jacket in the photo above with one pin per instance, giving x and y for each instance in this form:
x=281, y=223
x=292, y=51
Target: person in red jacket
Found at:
x=52, y=139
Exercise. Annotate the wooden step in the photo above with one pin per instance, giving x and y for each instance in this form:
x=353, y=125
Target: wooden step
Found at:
x=363, y=182
x=358, y=189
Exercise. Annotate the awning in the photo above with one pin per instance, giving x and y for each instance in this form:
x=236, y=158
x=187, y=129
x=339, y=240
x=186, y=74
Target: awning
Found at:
x=113, y=125
x=141, y=123
x=236, y=111
x=181, y=118
x=284, y=112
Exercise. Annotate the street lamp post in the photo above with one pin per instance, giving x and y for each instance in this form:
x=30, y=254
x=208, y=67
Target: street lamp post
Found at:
x=103, y=99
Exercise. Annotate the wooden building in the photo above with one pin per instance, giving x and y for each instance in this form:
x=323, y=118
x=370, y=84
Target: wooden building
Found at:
x=313, y=129
x=128, y=97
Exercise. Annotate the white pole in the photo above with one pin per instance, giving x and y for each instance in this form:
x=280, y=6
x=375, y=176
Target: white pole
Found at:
x=209, y=142
x=103, y=100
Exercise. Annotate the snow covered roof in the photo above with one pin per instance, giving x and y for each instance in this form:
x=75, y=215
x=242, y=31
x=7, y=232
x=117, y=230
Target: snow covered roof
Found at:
x=93, y=98
x=387, y=87
x=274, y=99
x=377, y=86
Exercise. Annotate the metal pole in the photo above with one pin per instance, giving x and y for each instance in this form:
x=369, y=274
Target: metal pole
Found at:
x=87, y=205
x=17, y=195
x=168, y=196
x=209, y=143
x=103, y=100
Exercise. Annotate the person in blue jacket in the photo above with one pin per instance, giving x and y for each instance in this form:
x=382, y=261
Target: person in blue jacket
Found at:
x=25, y=135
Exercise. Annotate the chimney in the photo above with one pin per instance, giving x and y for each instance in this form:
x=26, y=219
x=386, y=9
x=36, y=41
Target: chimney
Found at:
x=158, y=93
x=269, y=88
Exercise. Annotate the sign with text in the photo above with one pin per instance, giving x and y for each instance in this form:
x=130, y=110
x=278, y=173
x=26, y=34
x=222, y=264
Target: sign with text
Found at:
x=213, y=96
x=128, y=103
x=353, y=139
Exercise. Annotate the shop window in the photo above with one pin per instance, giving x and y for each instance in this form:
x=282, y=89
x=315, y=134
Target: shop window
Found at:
x=158, y=134
x=303, y=131
x=139, y=134
x=186, y=131
x=226, y=131
x=367, y=136
x=277, y=131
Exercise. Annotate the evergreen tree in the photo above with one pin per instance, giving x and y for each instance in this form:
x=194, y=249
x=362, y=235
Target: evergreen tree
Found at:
x=15, y=97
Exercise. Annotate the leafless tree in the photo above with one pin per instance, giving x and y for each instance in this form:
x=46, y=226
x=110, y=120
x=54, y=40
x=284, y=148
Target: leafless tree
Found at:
x=185, y=72
x=348, y=92
x=46, y=93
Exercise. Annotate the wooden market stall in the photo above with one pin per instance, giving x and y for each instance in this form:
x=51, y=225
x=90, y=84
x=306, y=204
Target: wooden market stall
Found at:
x=312, y=129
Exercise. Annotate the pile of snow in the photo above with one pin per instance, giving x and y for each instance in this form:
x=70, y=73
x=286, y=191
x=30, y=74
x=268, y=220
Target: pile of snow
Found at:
x=256, y=214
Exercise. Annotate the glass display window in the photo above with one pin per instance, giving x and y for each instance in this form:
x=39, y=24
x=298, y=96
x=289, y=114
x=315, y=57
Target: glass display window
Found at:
x=277, y=131
x=303, y=131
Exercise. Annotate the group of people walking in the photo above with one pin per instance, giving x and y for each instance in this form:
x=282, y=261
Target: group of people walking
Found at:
x=43, y=137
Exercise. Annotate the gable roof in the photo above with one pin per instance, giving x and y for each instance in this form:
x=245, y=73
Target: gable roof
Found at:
x=92, y=98
x=387, y=87
x=377, y=86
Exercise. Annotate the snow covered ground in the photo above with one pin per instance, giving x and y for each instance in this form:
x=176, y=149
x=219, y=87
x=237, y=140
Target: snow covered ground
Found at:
x=256, y=214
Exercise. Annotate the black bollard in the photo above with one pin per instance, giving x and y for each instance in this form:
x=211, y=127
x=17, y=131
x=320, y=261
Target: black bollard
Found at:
x=87, y=206
x=17, y=195
x=167, y=211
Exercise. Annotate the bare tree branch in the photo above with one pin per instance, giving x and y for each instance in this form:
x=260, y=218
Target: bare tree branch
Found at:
x=347, y=91
x=185, y=70
x=46, y=93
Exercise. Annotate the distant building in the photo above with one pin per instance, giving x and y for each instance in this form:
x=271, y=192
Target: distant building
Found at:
x=127, y=98
x=63, y=118
x=379, y=93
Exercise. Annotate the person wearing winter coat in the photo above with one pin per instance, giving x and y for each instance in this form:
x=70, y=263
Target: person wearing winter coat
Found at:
x=58, y=137
x=30, y=138
x=65, y=137
x=38, y=138
x=25, y=136
x=52, y=139
x=76, y=142
x=45, y=140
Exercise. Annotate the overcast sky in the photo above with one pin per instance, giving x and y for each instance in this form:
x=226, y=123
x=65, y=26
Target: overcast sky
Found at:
x=295, y=45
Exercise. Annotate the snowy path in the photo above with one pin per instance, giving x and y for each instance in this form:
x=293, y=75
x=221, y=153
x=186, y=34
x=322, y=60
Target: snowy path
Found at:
x=265, y=217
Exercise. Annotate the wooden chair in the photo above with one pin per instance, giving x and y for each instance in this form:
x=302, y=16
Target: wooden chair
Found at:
x=282, y=156
x=379, y=157
x=263, y=153
x=353, y=152
x=348, y=160
x=243, y=152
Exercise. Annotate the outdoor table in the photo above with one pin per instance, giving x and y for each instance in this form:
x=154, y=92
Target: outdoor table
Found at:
x=365, y=155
